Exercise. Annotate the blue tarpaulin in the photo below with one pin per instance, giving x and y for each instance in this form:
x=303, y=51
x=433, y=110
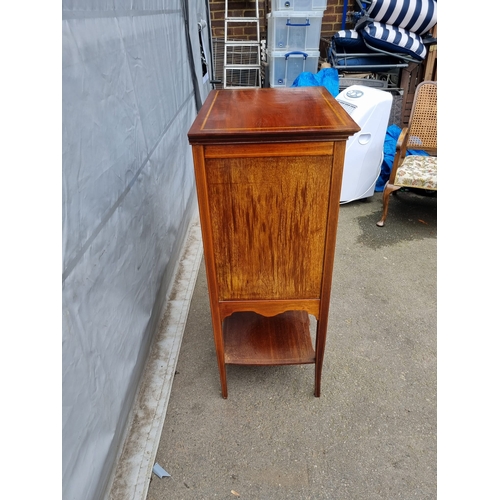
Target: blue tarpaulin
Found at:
x=391, y=139
x=326, y=77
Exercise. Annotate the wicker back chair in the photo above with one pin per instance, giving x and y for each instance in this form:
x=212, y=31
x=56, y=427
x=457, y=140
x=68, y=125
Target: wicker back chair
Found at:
x=416, y=171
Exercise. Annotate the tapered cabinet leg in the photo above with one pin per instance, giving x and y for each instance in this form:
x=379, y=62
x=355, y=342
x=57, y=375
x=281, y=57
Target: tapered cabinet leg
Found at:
x=320, y=354
x=317, y=382
x=219, y=348
x=223, y=381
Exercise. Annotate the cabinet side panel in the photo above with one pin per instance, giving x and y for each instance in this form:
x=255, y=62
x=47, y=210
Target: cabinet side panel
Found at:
x=269, y=218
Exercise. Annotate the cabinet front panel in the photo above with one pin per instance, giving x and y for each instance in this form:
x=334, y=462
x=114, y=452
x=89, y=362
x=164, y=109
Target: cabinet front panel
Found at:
x=269, y=218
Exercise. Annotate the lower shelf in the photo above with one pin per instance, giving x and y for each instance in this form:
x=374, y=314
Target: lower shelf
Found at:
x=252, y=339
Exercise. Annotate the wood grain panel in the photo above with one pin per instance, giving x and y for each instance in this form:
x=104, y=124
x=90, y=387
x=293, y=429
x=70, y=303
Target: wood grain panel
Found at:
x=269, y=219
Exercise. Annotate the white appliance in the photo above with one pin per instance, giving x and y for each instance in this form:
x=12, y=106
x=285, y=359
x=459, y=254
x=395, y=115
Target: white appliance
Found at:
x=370, y=108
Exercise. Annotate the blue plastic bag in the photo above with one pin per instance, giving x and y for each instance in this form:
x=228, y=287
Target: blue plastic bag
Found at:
x=327, y=77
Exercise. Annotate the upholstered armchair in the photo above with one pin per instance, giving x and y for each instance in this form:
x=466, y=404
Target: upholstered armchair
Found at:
x=415, y=171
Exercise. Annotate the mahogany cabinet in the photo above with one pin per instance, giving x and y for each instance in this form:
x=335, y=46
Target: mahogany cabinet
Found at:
x=268, y=168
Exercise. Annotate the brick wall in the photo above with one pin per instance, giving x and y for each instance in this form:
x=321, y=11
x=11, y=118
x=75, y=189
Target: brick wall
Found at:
x=332, y=17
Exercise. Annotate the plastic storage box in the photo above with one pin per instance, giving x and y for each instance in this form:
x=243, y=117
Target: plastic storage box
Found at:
x=294, y=30
x=285, y=66
x=303, y=5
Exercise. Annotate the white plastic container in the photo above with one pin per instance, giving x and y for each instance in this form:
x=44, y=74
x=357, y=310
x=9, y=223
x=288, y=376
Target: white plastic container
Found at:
x=294, y=30
x=303, y=5
x=370, y=108
x=286, y=66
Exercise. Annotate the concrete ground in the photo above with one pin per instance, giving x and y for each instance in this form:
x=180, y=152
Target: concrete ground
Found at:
x=372, y=433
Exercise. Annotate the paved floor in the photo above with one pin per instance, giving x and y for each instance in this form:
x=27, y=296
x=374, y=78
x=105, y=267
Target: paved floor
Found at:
x=372, y=433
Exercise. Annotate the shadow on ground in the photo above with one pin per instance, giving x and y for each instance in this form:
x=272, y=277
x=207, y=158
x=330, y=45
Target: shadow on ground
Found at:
x=411, y=217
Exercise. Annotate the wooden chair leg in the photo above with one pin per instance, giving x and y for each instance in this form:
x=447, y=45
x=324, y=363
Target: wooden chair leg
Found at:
x=389, y=188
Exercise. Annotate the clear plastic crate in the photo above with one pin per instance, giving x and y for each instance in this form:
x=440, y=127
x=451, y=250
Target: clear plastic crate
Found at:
x=286, y=66
x=294, y=30
x=303, y=5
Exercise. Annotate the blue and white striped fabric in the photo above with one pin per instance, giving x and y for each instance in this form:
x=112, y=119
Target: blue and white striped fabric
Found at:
x=347, y=35
x=350, y=40
x=395, y=40
x=417, y=16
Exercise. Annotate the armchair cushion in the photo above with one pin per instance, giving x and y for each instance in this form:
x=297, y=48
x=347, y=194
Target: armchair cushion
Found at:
x=418, y=172
x=418, y=16
x=392, y=39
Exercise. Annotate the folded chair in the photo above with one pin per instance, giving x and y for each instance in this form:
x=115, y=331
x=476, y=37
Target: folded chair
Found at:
x=416, y=171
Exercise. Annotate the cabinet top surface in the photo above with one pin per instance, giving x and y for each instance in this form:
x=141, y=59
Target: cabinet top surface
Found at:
x=271, y=115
